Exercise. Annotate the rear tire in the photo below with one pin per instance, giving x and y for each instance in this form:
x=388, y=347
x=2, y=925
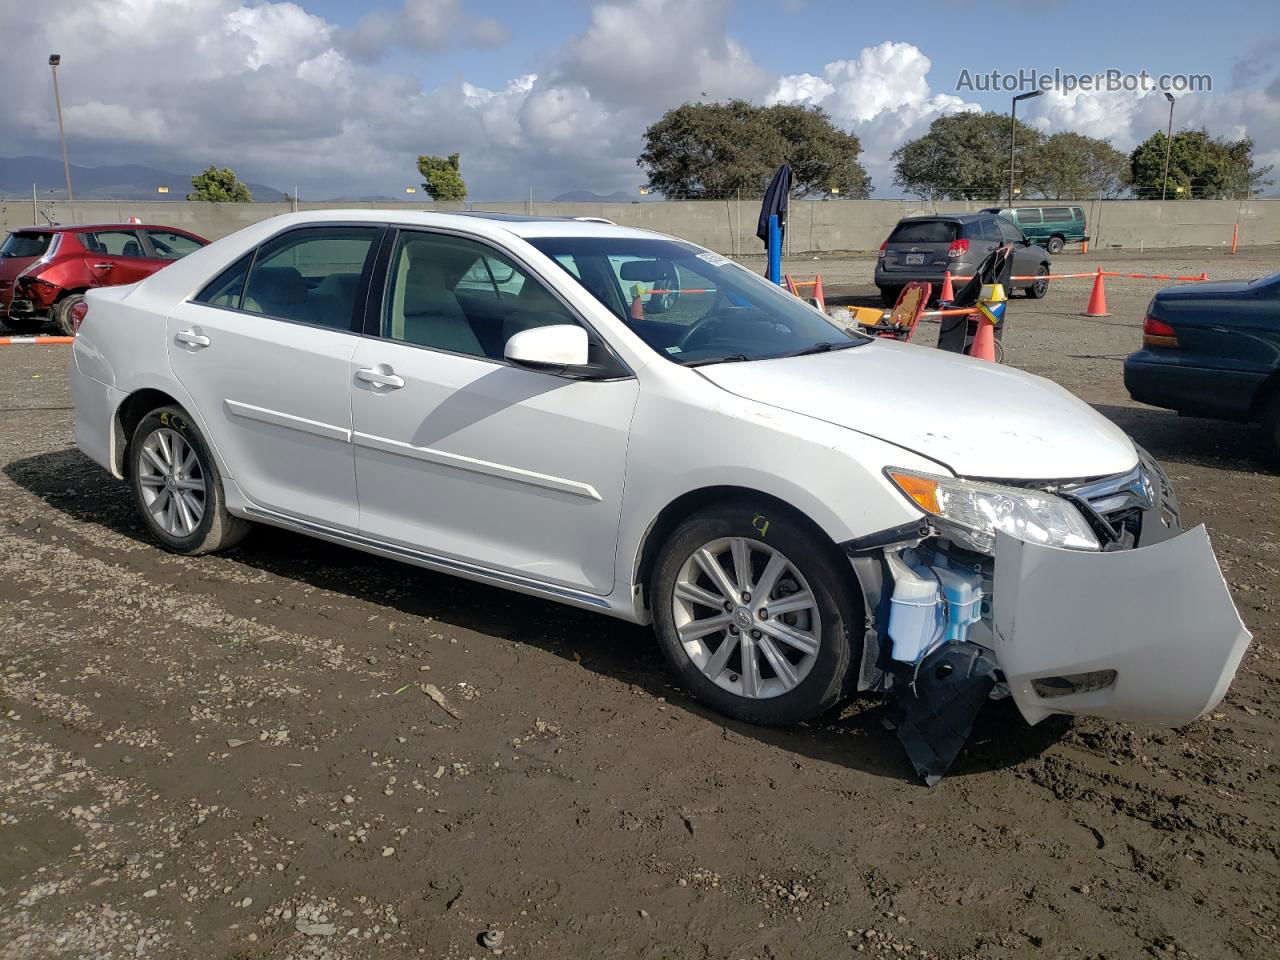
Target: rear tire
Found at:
x=176, y=486
x=25, y=325
x=803, y=645
x=62, y=314
x=1055, y=245
x=889, y=295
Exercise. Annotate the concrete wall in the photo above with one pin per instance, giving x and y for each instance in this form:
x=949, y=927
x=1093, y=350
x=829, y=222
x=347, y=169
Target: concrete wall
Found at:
x=729, y=226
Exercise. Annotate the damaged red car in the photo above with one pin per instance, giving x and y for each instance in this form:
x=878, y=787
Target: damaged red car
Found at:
x=45, y=271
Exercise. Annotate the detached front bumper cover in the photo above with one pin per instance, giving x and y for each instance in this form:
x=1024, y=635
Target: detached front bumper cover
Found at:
x=1146, y=636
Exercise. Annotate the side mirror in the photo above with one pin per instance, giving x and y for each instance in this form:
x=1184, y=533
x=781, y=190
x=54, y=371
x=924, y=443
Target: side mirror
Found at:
x=549, y=348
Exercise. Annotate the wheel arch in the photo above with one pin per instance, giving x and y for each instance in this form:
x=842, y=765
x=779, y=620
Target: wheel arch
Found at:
x=128, y=415
x=1266, y=393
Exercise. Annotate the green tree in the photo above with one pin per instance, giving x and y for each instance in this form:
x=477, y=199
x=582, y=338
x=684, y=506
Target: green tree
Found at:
x=1071, y=166
x=1200, y=167
x=714, y=150
x=964, y=156
x=219, y=186
x=442, y=179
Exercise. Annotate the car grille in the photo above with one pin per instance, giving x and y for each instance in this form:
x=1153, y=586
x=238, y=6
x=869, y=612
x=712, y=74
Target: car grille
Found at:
x=1128, y=509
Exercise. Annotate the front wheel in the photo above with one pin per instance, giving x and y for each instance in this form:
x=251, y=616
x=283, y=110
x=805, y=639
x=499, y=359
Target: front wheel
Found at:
x=1040, y=285
x=756, y=613
x=176, y=486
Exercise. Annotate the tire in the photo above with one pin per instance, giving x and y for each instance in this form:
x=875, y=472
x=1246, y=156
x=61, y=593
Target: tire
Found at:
x=817, y=658
x=889, y=295
x=1055, y=245
x=1039, y=288
x=187, y=520
x=62, y=314
x=1270, y=421
x=25, y=324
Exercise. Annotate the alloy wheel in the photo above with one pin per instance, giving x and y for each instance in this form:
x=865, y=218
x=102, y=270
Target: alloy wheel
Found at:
x=746, y=617
x=172, y=482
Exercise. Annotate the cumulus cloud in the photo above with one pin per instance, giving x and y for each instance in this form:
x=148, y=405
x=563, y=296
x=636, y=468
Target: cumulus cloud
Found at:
x=424, y=26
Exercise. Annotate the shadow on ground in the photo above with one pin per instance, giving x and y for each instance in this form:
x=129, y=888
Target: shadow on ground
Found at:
x=851, y=735
x=1211, y=443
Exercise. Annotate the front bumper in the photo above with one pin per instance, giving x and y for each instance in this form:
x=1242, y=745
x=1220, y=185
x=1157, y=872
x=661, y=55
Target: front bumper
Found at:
x=1147, y=636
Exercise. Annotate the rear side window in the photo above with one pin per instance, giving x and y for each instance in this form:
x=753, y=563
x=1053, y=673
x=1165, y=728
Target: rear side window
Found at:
x=31, y=244
x=172, y=246
x=1057, y=213
x=113, y=243
x=311, y=275
x=227, y=289
x=1028, y=215
x=925, y=231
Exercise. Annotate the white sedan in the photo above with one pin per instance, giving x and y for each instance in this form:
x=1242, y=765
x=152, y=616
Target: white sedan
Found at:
x=629, y=423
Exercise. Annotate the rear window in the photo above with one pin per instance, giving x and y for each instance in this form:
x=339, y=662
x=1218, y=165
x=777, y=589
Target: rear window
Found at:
x=925, y=231
x=1029, y=215
x=30, y=244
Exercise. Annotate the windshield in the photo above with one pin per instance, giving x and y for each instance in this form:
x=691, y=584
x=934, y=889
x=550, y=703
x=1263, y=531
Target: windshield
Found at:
x=32, y=244
x=691, y=305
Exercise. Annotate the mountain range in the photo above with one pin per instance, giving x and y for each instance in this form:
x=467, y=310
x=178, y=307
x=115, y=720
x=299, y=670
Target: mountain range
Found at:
x=127, y=182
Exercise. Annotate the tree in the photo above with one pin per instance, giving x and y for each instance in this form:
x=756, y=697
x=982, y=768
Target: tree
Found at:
x=1199, y=167
x=714, y=150
x=964, y=156
x=219, y=186
x=443, y=181
x=1071, y=166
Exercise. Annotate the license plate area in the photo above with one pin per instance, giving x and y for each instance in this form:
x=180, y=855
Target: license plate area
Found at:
x=913, y=259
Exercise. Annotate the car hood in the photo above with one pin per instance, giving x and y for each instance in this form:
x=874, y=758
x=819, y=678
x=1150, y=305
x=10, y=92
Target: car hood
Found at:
x=979, y=419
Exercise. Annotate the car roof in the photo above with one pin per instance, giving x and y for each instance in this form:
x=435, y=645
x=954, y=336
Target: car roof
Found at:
x=958, y=217
x=516, y=224
x=81, y=227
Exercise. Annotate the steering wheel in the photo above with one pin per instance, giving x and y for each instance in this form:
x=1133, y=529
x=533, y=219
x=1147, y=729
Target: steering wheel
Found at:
x=702, y=332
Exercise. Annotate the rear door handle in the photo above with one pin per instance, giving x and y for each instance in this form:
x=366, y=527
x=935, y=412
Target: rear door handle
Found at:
x=380, y=379
x=103, y=266
x=192, y=339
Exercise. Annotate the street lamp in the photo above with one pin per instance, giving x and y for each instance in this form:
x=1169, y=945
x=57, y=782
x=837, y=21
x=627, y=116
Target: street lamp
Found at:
x=54, y=60
x=1168, y=146
x=1013, y=132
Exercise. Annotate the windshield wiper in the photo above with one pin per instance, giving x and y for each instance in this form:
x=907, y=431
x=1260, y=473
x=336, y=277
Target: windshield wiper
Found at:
x=730, y=358
x=823, y=347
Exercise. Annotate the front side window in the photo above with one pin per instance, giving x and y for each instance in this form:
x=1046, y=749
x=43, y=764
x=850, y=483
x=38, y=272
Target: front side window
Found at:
x=693, y=306
x=1008, y=232
x=311, y=276
x=172, y=246
x=113, y=243
x=454, y=294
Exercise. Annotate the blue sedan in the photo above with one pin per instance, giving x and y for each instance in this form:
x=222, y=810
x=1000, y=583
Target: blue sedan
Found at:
x=1213, y=350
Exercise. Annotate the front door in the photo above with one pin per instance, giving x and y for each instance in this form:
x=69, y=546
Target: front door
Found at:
x=264, y=351
x=115, y=257
x=463, y=456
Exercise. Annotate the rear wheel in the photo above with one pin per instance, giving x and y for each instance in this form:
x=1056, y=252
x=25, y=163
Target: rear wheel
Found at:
x=64, y=314
x=176, y=486
x=756, y=614
x=1055, y=245
x=1040, y=286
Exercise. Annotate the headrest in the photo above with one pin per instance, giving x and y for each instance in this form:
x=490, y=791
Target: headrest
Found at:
x=278, y=285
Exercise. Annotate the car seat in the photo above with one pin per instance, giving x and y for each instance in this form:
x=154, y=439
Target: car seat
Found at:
x=279, y=292
x=425, y=311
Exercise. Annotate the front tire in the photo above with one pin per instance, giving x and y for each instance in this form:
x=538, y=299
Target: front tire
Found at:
x=756, y=613
x=176, y=486
x=1039, y=286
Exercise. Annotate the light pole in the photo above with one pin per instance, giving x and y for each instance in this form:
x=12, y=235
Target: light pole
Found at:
x=1013, y=132
x=1168, y=147
x=54, y=60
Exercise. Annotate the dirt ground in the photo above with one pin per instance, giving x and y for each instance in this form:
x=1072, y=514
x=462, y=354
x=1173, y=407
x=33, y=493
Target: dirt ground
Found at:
x=233, y=756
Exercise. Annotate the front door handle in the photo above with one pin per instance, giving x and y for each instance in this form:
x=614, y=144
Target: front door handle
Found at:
x=380, y=379
x=192, y=339
x=103, y=266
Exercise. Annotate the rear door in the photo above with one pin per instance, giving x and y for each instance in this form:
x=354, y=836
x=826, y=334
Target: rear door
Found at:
x=918, y=247
x=115, y=256
x=264, y=351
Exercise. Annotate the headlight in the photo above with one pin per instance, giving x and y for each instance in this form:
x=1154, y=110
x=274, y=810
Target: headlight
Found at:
x=973, y=512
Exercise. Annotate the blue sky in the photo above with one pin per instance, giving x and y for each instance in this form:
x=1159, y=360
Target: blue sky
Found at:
x=554, y=95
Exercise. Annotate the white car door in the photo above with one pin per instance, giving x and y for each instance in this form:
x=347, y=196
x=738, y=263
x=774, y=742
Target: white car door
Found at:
x=470, y=459
x=264, y=351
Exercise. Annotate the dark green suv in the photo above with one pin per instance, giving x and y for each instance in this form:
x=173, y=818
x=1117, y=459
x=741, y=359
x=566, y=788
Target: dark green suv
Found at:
x=1051, y=227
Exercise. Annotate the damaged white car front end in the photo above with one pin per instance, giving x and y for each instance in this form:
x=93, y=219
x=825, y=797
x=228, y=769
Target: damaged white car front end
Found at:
x=1076, y=598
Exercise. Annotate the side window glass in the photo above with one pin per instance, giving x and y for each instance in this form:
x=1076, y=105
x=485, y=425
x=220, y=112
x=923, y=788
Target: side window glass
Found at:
x=113, y=243
x=311, y=276
x=1008, y=232
x=171, y=246
x=1029, y=215
x=450, y=293
x=990, y=231
x=228, y=287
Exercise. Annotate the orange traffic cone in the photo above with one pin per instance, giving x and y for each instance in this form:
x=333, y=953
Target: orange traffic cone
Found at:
x=948, y=294
x=1204, y=274
x=790, y=285
x=819, y=299
x=1235, y=238
x=1097, y=298
x=984, y=339
x=1084, y=248
x=637, y=305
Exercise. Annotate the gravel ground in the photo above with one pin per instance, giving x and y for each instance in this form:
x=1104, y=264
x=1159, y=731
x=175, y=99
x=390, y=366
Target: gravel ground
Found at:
x=236, y=756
